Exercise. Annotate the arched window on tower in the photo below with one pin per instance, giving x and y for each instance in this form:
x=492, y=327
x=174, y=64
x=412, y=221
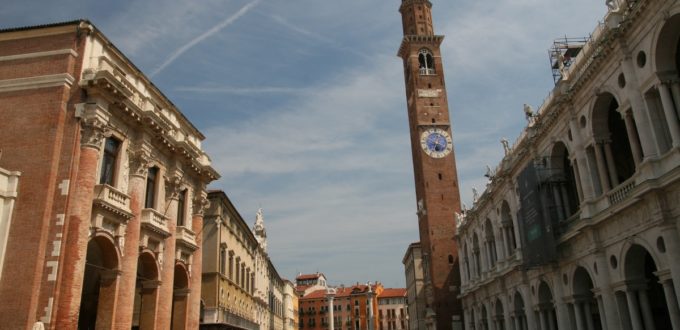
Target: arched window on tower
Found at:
x=426, y=62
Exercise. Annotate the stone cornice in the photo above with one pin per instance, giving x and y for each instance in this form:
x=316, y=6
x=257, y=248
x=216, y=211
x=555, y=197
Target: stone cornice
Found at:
x=435, y=40
x=39, y=54
x=53, y=80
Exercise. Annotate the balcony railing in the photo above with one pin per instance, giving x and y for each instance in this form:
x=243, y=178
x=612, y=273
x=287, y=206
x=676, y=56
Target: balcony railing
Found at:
x=426, y=72
x=187, y=237
x=155, y=221
x=620, y=193
x=112, y=200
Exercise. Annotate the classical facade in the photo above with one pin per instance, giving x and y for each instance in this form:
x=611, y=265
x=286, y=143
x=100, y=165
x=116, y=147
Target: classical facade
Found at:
x=111, y=192
x=579, y=226
x=241, y=287
x=392, y=310
x=434, y=165
x=290, y=306
x=415, y=293
x=229, y=250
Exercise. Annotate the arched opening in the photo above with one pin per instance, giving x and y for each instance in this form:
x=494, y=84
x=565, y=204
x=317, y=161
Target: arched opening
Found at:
x=562, y=187
x=426, y=62
x=499, y=318
x=490, y=243
x=100, y=283
x=475, y=255
x=667, y=93
x=546, y=307
x=508, y=229
x=586, y=312
x=518, y=315
x=146, y=292
x=180, y=296
x=645, y=297
x=613, y=147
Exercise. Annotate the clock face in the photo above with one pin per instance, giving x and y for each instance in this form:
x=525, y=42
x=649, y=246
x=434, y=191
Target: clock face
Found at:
x=436, y=142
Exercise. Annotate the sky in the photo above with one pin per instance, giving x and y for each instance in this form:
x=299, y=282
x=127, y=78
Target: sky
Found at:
x=303, y=107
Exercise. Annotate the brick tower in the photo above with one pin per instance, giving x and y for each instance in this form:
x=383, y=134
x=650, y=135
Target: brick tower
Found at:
x=434, y=163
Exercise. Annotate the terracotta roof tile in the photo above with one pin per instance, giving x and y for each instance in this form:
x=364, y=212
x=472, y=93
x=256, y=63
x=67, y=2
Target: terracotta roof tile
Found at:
x=390, y=293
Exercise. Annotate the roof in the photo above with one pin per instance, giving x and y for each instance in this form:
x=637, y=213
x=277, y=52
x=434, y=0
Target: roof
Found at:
x=392, y=293
x=302, y=277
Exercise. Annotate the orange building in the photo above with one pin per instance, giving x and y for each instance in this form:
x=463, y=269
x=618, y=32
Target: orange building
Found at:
x=392, y=310
x=350, y=308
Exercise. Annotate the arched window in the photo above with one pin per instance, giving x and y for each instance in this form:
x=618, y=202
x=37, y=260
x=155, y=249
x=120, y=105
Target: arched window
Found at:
x=426, y=62
x=613, y=148
x=490, y=243
x=475, y=255
x=508, y=229
x=562, y=184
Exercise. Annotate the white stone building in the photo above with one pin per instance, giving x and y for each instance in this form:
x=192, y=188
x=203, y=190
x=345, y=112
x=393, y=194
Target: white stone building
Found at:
x=578, y=227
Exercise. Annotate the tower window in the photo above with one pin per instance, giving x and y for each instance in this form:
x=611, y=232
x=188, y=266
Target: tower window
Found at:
x=181, y=208
x=426, y=62
x=150, y=200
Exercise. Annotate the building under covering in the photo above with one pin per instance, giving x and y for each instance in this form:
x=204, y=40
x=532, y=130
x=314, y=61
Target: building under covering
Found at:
x=579, y=225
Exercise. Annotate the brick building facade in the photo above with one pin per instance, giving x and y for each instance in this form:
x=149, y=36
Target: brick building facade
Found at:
x=111, y=193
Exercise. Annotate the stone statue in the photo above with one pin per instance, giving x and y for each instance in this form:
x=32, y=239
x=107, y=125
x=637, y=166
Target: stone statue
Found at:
x=506, y=146
x=475, y=195
x=529, y=113
x=489, y=173
x=562, y=68
x=613, y=5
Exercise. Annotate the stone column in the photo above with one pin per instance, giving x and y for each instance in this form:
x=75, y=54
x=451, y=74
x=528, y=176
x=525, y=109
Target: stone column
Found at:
x=588, y=315
x=199, y=206
x=580, y=157
x=671, y=239
x=77, y=233
x=544, y=320
x=603, y=314
x=669, y=111
x=601, y=169
x=139, y=167
x=675, y=91
x=671, y=302
x=640, y=111
x=108, y=292
x=172, y=188
x=611, y=166
x=551, y=320
x=330, y=297
x=634, y=310
x=578, y=312
x=605, y=296
x=633, y=137
x=647, y=315
x=369, y=302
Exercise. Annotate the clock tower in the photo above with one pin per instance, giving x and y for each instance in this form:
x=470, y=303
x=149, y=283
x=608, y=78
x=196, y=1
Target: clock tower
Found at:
x=434, y=165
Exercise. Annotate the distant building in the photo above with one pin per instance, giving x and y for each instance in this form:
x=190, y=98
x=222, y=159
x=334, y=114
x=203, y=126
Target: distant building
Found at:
x=415, y=291
x=392, y=310
x=99, y=230
x=306, y=283
x=578, y=227
x=241, y=287
x=353, y=308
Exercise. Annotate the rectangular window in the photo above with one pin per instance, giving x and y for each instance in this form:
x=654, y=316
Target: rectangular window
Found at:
x=181, y=208
x=223, y=260
x=111, y=147
x=150, y=200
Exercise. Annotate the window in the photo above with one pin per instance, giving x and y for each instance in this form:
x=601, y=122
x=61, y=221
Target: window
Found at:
x=111, y=148
x=231, y=267
x=150, y=200
x=426, y=62
x=223, y=260
x=181, y=208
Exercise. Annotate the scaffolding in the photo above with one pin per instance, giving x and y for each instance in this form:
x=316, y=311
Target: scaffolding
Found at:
x=563, y=54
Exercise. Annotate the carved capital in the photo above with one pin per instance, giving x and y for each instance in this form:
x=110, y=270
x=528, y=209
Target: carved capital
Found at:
x=173, y=186
x=140, y=159
x=201, y=203
x=94, y=121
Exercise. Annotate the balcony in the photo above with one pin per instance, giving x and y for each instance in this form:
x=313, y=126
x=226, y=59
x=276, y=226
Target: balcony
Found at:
x=112, y=200
x=186, y=237
x=155, y=221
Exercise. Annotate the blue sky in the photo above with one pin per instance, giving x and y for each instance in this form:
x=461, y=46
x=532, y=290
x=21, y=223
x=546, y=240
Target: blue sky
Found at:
x=303, y=106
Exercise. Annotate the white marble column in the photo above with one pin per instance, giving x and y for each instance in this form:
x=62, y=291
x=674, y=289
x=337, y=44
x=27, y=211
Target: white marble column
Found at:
x=601, y=167
x=671, y=302
x=578, y=312
x=586, y=187
x=603, y=314
x=611, y=165
x=647, y=315
x=561, y=214
x=330, y=312
x=675, y=91
x=669, y=111
x=544, y=319
x=671, y=239
x=633, y=137
x=634, y=310
x=588, y=315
